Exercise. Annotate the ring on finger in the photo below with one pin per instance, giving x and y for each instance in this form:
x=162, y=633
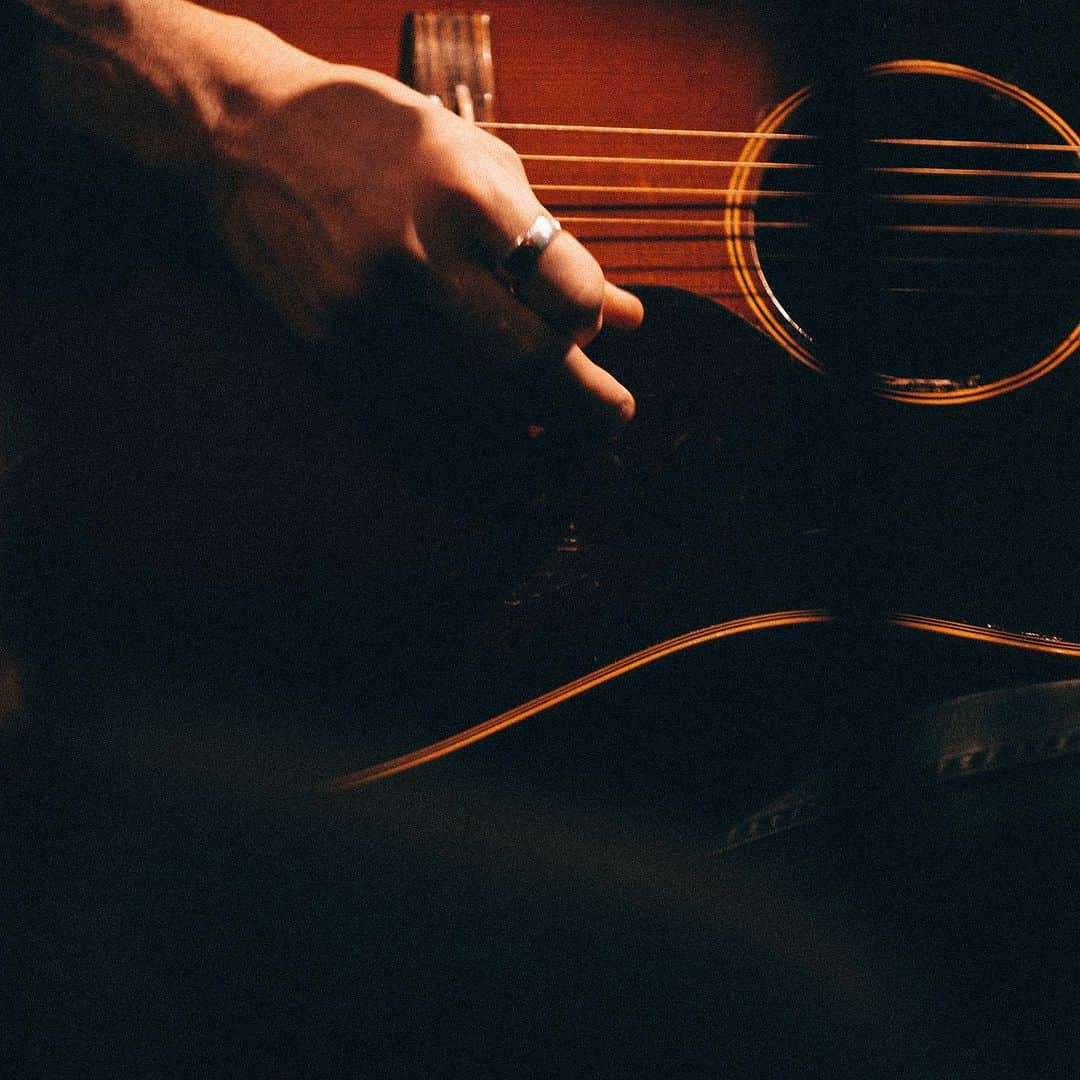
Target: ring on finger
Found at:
x=527, y=248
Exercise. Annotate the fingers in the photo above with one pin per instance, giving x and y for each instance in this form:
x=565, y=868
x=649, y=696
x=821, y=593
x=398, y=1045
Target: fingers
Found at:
x=566, y=287
x=511, y=343
x=564, y=284
x=530, y=317
x=622, y=309
x=601, y=386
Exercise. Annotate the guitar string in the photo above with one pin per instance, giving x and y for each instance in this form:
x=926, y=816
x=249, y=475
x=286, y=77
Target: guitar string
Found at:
x=775, y=257
x=883, y=290
x=798, y=226
x=1011, y=174
x=608, y=129
x=696, y=271
x=803, y=166
x=691, y=163
x=772, y=136
x=745, y=198
x=742, y=197
x=749, y=197
x=698, y=268
x=642, y=274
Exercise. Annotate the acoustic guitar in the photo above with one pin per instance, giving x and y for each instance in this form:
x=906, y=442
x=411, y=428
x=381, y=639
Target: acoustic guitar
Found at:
x=848, y=492
x=872, y=219
x=847, y=497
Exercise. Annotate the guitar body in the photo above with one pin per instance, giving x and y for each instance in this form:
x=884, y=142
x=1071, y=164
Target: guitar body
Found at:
x=234, y=578
x=383, y=573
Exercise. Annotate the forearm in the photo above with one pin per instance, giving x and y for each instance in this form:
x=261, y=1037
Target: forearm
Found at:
x=160, y=78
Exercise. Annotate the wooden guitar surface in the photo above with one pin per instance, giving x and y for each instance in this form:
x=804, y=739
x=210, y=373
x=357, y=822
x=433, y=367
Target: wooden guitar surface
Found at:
x=234, y=578
x=746, y=485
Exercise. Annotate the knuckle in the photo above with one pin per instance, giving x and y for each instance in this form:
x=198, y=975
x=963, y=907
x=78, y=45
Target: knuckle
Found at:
x=445, y=151
x=472, y=165
x=507, y=156
x=501, y=151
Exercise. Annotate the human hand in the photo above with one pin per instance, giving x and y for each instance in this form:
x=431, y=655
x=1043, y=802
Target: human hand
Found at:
x=330, y=173
x=329, y=186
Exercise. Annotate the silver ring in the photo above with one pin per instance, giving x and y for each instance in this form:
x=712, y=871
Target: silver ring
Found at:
x=529, y=246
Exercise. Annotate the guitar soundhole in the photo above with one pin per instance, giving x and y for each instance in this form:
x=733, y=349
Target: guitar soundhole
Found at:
x=953, y=267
